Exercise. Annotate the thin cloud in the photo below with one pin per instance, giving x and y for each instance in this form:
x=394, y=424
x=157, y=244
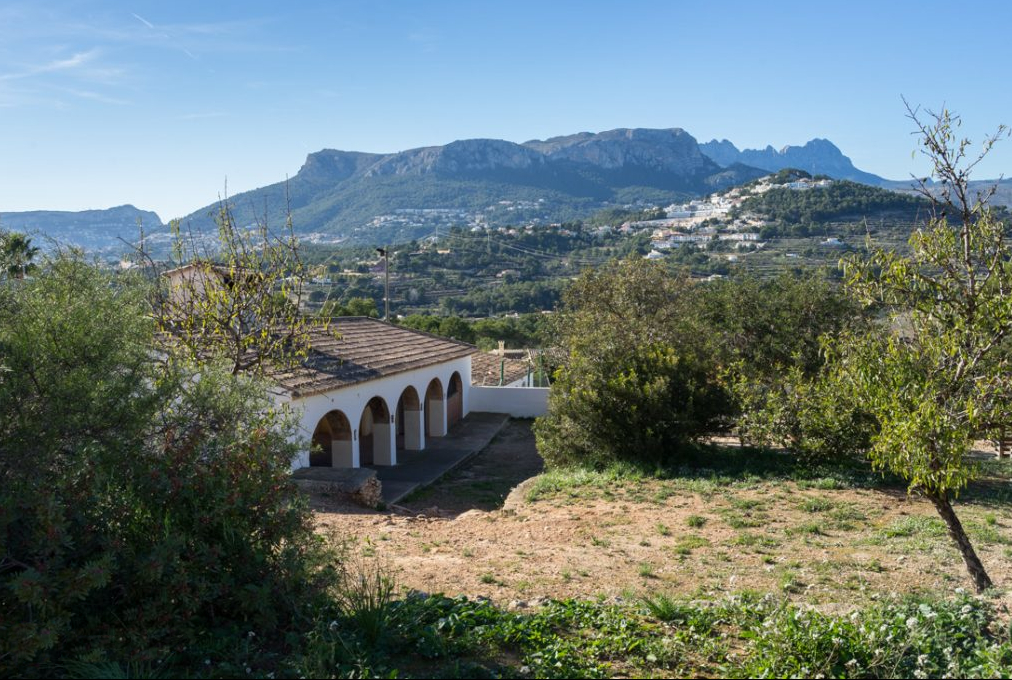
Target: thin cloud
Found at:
x=144, y=21
x=75, y=61
x=164, y=33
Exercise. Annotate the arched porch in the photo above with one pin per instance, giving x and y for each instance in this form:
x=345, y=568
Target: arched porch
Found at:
x=454, y=401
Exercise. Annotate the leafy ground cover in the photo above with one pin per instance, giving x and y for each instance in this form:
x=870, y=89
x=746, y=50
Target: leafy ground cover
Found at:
x=742, y=636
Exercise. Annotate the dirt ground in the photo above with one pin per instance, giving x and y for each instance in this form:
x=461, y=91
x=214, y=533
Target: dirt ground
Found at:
x=810, y=540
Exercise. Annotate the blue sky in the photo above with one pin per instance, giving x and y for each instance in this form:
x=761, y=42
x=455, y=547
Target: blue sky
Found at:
x=156, y=104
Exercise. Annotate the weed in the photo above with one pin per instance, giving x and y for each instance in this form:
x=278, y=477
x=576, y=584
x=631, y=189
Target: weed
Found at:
x=807, y=528
x=365, y=599
x=695, y=521
x=816, y=504
x=687, y=544
x=908, y=527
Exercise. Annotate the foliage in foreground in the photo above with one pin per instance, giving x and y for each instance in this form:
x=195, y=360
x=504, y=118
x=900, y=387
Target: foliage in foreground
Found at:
x=142, y=510
x=742, y=636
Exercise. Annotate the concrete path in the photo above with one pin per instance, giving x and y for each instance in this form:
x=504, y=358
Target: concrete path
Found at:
x=417, y=469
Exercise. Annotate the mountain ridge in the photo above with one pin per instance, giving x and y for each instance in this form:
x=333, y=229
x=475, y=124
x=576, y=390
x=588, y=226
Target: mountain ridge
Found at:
x=817, y=156
x=566, y=177
x=364, y=197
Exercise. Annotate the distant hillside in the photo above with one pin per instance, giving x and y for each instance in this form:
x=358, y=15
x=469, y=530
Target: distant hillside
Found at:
x=1002, y=195
x=819, y=157
x=92, y=229
x=842, y=200
x=375, y=198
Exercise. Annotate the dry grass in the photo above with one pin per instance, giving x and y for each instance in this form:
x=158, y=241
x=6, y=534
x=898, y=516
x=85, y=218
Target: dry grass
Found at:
x=818, y=540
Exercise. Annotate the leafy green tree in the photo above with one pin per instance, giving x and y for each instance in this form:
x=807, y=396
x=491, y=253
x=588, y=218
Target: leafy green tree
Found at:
x=17, y=254
x=422, y=322
x=769, y=334
x=640, y=381
x=456, y=328
x=356, y=306
x=939, y=376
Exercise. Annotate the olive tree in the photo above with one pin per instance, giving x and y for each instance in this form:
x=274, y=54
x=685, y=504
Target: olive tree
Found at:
x=938, y=377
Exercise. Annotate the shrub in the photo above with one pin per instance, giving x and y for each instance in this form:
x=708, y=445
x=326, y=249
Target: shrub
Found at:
x=810, y=416
x=639, y=383
x=141, y=507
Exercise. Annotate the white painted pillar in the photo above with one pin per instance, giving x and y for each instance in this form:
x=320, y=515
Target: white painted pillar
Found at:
x=436, y=409
x=384, y=444
x=344, y=453
x=414, y=430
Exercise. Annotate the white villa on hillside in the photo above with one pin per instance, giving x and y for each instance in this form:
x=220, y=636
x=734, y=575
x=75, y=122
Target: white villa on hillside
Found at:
x=376, y=390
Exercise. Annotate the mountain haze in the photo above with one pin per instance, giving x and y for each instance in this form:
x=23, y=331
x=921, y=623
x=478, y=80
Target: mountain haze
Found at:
x=93, y=229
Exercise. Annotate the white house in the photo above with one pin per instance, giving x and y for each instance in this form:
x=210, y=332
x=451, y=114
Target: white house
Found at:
x=375, y=390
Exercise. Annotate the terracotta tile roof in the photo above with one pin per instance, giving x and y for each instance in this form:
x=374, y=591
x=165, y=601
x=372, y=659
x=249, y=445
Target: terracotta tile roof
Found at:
x=486, y=366
x=366, y=350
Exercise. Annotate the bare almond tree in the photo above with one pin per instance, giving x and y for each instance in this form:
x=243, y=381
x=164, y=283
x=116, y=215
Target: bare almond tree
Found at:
x=236, y=297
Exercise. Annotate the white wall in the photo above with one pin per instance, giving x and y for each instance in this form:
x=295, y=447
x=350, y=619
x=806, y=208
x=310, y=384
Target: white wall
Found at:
x=352, y=399
x=519, y=402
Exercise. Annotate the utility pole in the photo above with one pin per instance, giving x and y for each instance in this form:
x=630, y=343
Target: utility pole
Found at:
x=386, y=287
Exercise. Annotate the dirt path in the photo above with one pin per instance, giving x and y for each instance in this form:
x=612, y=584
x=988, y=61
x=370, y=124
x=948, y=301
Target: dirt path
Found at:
x=483, y=482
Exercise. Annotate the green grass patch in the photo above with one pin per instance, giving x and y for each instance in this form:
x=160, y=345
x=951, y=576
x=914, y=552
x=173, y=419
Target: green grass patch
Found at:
x=747, y=635
x=687, y=544
x=915, y=527
x=816, y=504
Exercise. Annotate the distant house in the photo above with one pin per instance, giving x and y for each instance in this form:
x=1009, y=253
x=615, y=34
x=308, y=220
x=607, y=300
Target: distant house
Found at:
x=508, y=369
x=833, y=242
x=374, y=390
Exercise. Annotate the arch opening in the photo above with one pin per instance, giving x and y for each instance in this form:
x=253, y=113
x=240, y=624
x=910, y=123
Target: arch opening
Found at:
x=375, y=434
x=332, y=442
x=435, y=409
x=454, y=400
x=410, y=428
